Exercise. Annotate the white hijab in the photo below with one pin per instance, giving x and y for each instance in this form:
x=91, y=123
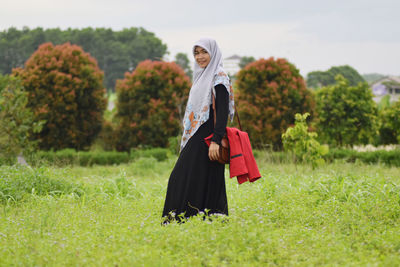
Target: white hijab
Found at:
x=204, y=80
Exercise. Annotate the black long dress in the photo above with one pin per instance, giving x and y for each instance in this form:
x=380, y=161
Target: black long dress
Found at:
x=196, y=183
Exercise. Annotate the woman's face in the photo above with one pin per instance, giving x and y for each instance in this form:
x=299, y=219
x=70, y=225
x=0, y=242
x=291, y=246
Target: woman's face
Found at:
x=201, y=56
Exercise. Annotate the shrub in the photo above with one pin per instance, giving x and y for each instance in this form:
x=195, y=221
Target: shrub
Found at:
x=66, y=90
x=346, y=114
x=16, y=120
x=160, y=154
x=390, y=158
x=269, y=93
x=82, y=158
x=302, y=143
x=150, y=105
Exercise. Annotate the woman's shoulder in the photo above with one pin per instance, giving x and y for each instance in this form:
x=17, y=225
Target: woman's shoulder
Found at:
x=222, y=78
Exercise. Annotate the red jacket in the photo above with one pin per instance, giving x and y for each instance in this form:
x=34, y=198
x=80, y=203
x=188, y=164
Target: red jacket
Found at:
x=242, y=163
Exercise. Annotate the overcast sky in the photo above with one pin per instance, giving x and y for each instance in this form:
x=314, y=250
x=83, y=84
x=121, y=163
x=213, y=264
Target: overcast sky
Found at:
x=313, y=35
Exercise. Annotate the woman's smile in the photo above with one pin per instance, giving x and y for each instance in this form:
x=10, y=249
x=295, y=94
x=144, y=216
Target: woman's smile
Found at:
x=201, y=56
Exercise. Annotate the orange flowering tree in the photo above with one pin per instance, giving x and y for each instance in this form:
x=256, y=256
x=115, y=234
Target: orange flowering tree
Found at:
x=65, y=89
x=269, y=94
x=150, y=105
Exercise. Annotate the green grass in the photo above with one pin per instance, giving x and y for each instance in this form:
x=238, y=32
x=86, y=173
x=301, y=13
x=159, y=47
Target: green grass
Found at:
x=340, y=214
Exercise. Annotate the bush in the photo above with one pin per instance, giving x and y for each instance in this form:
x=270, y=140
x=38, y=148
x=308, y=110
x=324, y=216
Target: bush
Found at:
x=82, y=158
x=16, y=121
x=89, y=158
x=346, y=114
x=160, y=154
x=150, y=105
x=302, y=143
x=389, y=130
x=66, y=90
x=269, y=93
x=391, y=158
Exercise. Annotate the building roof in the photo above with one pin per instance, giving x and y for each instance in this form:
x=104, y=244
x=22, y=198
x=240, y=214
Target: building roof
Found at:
x=234, y=57
x=386, y=78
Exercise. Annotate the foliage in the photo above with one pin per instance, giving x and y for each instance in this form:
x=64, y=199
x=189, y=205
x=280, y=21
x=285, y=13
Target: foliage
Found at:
x=244, y=61
x=183, y=61
x=269, y=93
x=372, y=77
x=66, y=90
x=384, y=102
x=337, y=215
x=389, y=158
x=317, y=79
x=302, y=143
x=150, y=104
x=16, y=120
x=174, y=144
x=107, y=138
x=389, y=130
x=160, y=154
x=346, y=114
x=115, y=51
x=79, y=158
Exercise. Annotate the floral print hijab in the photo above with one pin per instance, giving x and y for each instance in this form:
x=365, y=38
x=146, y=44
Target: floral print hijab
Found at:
x=204, y=81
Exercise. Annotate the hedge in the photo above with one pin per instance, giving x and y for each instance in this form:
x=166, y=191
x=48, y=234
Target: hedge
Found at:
x=390, y=158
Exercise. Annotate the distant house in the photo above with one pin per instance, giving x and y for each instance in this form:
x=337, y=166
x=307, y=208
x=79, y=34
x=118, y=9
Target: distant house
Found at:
x=389, y=85
x=231, y=64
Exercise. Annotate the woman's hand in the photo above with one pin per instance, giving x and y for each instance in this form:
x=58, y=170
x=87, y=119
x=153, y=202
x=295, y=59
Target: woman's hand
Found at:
x=213, y=151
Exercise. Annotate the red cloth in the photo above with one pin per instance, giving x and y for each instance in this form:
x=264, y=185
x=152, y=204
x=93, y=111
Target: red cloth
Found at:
x=242, y=163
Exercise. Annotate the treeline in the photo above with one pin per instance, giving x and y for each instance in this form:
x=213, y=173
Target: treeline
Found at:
x=57, y=100
x=317, y=79
x=115, y=51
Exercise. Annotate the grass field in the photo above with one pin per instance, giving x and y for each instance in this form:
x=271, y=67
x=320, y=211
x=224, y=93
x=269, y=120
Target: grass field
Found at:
x=337, y=215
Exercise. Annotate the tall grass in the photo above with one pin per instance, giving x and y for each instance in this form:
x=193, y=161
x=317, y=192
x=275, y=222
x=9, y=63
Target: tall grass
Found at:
x=341, y=214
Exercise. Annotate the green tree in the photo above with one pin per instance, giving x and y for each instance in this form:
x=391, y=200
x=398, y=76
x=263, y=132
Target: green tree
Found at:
x=66, y=90
x=389, y=130
x=16, y=120
x=244, y=61
x=116, y=51
x=150, y=104
x=372, y=77
x=269, y=93
x=346, y=114
x=183, y=61
x=317, y=79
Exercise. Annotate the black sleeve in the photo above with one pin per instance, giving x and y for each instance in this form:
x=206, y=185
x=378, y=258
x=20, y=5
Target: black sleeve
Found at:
x=222, y=107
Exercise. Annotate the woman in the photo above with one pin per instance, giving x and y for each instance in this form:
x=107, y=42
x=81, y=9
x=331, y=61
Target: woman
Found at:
x=197, y=182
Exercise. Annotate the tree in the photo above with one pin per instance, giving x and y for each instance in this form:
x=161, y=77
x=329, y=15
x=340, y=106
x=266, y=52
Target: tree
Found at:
x=182, y=60
x=389, y=118
x=150, y=104
x=16, y=120
x=269, y=93
x=244, y=61
x=317, y=79
x=66, y=90
x=116, y=51
x=346, y=114
x=372, y=77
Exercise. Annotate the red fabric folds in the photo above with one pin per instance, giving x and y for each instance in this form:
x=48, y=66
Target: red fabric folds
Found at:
x=242, y=163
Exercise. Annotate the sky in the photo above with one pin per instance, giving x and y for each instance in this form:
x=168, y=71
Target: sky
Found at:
x=313, y=35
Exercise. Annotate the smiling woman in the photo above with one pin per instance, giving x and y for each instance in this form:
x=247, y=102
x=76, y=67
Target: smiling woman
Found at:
x=197, y=181
x=201, y=56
